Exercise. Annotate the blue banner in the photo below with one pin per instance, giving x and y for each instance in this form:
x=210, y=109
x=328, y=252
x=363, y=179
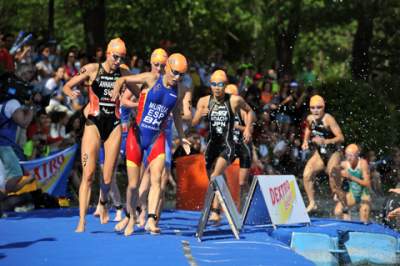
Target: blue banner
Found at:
x=52, y=172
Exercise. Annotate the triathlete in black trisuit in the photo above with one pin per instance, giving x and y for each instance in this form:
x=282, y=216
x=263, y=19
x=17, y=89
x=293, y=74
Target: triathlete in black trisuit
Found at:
x=102, y=125
x=323, y=137
x=243, y=150
x=220, y=110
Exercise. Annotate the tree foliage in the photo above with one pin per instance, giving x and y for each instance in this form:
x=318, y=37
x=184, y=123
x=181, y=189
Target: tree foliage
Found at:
x=346, y=40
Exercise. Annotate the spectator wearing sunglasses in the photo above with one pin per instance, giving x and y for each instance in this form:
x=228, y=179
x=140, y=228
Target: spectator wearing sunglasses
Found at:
x=323, y=137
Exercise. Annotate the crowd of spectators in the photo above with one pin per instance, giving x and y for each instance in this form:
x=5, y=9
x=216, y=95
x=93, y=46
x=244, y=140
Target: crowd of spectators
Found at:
x=280, y=103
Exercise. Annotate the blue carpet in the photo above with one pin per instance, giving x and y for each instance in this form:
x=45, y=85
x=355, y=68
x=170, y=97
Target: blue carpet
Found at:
x=46, y=237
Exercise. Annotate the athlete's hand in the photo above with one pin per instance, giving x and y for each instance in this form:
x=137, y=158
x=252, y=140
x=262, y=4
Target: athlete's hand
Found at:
x=305, y=146
x=115, y=93
x=117, y=88
x=75, y=94
x=318, y=140
x=393, y=214
x=259, y=164
x=239, y=127
x=247, y=135
x=344, y=174
x=185, y=145
x=395, y=190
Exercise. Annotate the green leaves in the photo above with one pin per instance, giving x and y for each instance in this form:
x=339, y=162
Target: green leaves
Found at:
x=366, y=112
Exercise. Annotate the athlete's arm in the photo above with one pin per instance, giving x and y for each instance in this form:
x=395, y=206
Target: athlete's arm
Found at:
x=201, y=110
x=333, y=125
x=177, y=115
x=256, y=160
x=366, y=181
x=307, y=134
x=250, y=116
x=393, y=214
x=187, y=105
x=343, y=169
x=126, y=100
x=178, y=122
x=83, y=75
x=142, y=78
x=243, y=116
x=240, y=104
x=395, y=190
x=134, y=88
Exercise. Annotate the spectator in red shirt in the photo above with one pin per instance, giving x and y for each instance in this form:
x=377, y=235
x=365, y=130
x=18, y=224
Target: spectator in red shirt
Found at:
x=6, y=60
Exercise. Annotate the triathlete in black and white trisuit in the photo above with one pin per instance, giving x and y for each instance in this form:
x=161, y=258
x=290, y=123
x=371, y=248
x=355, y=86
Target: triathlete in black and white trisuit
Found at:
x=219, y=108
x=220, y=139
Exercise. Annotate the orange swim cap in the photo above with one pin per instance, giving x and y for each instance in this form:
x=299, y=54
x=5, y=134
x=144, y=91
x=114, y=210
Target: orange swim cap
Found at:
x=218, y=76
x=352, y=149
x=232, y=89
x=116, y=45
x=177, y=62
x=159, y=55
x=317, y=100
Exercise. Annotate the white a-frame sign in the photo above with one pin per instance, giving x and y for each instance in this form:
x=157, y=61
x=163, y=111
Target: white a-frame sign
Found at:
x=218, y=188
x=272, y=199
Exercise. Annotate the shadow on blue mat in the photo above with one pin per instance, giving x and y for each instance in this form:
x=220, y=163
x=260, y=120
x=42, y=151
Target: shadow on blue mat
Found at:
x=196, y=219
x=25, y=244
x=44, y=213
x=2, y=256
x=104, y=232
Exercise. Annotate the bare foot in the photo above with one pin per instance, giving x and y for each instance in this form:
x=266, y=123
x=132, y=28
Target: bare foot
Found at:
x=152, y=227
x=104, y=217
x=141, y=221
x=118, y=216
x=130, y=227
x=312, y=206
x=215, y=218
x=121, y=225
x=81, y=226
x=97, y=211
